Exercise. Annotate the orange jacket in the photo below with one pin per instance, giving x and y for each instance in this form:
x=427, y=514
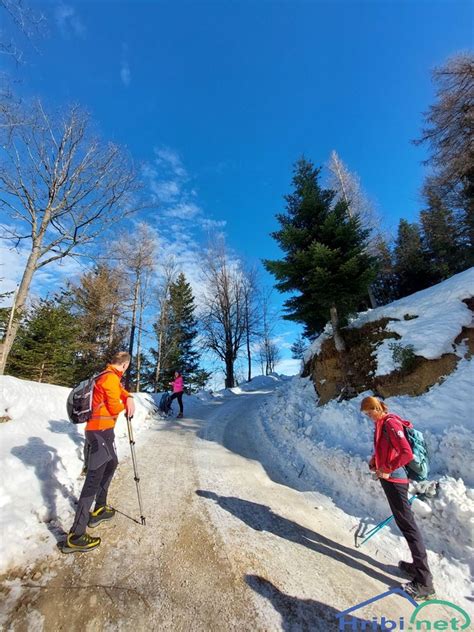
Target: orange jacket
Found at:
x=108, y=400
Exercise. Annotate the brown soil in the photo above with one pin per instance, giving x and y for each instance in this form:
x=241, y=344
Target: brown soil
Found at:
x=333, y=379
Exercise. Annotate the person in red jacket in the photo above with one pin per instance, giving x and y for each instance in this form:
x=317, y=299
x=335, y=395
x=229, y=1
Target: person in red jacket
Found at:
x=109, y=399
x=392, y=452
x=178, y=390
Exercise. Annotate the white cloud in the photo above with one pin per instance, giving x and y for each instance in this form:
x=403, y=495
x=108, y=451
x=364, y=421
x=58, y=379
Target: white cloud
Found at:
x=166, y=191
x=211, y=225
x=170, y=159
x=184, y=210
x=125, y=74
x=47, y=279
x=68, y=21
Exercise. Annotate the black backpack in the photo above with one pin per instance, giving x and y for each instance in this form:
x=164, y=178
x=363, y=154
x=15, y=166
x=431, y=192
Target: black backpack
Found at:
x=165, y=403
x=79, y=402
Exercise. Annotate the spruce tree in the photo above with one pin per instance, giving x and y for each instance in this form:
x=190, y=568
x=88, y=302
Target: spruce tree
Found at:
x=45, y=348
x=441, y=238
x=385, y=284
x=412, y=266
x=326, y=263
x=298, y=348
x=181, y=334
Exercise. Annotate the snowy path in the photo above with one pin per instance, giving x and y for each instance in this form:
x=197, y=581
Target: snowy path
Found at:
x=226, y=546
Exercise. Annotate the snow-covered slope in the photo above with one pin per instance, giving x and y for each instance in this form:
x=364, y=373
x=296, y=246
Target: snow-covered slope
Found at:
x=40, y=465
x=428, y=321
x=328, y=446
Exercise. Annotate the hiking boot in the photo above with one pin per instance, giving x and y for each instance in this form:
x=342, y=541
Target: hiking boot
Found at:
x=408, y=568
x=179, y=416
x=418, y=591
x=99, y=515
x=79, y=543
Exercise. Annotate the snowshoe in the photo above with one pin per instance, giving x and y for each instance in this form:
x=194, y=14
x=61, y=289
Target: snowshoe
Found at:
x=408, y=568
x=418, y=592
x=79, y=543
x=100, y=515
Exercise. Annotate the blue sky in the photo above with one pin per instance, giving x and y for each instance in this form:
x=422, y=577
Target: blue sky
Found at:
x=220, y=98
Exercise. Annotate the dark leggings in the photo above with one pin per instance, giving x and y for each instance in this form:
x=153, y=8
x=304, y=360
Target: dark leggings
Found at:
x=397, y=496
x=179, y=396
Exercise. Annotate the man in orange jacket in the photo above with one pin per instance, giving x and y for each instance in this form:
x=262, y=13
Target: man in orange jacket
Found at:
x=108, y=401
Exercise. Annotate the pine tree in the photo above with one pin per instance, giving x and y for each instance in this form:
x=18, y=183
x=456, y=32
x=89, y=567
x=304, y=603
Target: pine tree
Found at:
x=181, y=337
x=441, y=238
x=326, y=262
x=298, y=348
x=45, y=348
x=385, y=286
x=412, y=266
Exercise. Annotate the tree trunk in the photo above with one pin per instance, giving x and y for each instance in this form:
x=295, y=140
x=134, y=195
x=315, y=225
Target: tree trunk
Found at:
x=18, y=305
x=338, y=339
x=158, y=361
x=229, y=371
x=112, y=329
x=373, y=300
x=249, y=356
x=139, y=344
x=132, y=331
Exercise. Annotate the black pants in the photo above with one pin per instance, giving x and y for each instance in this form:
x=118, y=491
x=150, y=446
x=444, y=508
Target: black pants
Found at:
x=101, y=466
x=397, y=496
x=180, y=400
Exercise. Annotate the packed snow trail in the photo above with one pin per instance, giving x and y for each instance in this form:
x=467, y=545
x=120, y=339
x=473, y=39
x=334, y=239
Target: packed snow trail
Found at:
x=227, y=545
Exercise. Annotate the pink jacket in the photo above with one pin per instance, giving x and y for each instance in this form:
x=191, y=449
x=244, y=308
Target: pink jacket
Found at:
x=178, y=385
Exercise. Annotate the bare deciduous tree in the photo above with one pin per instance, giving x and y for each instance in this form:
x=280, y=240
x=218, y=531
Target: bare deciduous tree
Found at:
x=61, y=188
x=251, y=314
x=223, y=313
x=348, y=188
x=26, y=21
x=449, y=134
x=136, y=255
x=268, y=350
x=167, y=273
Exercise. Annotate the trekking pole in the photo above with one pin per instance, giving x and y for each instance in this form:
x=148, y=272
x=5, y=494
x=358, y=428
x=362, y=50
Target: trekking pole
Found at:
x=135, y=468
x=377, y=528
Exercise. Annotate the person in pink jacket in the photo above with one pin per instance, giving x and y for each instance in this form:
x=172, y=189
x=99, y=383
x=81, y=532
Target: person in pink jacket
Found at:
x=178, y=389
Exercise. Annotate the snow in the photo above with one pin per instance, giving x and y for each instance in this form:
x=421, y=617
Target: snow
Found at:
x=40, y=465
x=323, y=450
x=429, y=321
x=327, y=449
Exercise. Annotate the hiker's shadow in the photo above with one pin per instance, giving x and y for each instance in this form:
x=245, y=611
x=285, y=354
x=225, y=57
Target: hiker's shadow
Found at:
x=60, y=426
x=262, y=518
x=45, y=461
x=302, y=615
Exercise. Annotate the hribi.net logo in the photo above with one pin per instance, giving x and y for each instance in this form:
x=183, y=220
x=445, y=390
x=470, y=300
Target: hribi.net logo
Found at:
x=434, y=614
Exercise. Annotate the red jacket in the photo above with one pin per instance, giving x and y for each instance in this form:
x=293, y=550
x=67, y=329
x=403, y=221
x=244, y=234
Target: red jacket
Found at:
x=392, y=450
x=108, y=400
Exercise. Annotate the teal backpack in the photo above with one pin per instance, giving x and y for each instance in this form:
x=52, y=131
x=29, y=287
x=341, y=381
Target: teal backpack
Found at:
x=419, y=468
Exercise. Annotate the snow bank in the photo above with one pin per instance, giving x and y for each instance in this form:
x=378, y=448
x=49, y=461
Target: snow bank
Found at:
x=40, y=465
x=328, y=448
x=428, y=329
